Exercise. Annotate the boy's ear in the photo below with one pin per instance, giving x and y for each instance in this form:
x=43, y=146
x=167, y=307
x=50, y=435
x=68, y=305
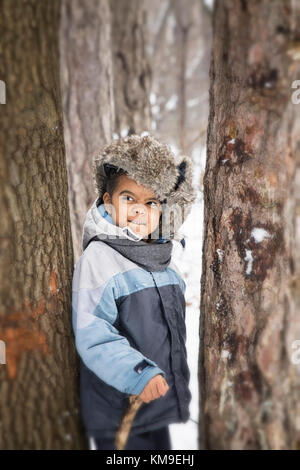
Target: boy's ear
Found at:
x=107, y=201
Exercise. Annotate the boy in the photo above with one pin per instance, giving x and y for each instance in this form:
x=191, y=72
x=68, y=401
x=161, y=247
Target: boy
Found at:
x=128, y=297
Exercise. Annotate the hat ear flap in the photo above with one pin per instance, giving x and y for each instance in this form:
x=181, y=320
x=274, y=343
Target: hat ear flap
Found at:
x=181, y=174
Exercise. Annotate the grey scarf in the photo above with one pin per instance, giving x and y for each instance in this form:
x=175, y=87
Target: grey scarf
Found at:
x=150, y=256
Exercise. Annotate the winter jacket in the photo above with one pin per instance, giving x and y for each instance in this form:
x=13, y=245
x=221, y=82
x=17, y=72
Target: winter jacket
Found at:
x=129, y=325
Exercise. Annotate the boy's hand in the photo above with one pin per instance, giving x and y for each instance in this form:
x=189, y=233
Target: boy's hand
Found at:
x=155, y=388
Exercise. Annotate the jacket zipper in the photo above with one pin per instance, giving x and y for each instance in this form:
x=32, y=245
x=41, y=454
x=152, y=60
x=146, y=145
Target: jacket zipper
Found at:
x=172, y=341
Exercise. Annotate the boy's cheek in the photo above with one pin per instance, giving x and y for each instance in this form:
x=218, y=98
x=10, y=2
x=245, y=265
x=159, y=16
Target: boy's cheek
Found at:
x=154, y=221
x=122, y=216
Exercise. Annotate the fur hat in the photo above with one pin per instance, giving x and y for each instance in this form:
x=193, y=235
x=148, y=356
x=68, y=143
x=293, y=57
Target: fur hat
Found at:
x=151, y=163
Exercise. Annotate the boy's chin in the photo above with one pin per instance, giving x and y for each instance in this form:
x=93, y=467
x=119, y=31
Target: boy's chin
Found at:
x=140, y=232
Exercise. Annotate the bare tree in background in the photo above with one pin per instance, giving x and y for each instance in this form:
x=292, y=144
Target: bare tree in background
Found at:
x=87, y=92
x=179, y=52
x=249, y=384
x=132, y=72
x=39, y=406
x=184, y=23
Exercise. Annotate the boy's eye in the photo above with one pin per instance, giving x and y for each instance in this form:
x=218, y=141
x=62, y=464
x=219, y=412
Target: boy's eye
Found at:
x=150, y=202
x=153, y=202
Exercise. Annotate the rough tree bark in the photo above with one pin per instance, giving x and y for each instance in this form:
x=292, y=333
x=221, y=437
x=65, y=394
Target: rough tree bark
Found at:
x=132, y=72
x=38, y=385
x=248, y=382
x=88, y=103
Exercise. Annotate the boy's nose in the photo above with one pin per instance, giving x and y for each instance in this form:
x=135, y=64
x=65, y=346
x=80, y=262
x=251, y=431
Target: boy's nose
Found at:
x=138, y=214
x=140, y=209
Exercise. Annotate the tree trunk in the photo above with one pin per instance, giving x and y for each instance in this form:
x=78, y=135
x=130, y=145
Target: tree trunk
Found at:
x=132, y=73
x=184, y=23
x=249, y=383
x=88, y=104
x=38, y=383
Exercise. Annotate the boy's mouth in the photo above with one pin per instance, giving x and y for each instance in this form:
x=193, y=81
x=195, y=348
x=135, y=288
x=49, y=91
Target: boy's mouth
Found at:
x=136, y=222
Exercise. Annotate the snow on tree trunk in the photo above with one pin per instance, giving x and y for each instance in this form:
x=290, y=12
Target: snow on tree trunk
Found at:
x=249, y=384
x=39, y=406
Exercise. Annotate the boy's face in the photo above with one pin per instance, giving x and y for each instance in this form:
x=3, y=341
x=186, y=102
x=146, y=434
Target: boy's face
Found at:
x=133, y=205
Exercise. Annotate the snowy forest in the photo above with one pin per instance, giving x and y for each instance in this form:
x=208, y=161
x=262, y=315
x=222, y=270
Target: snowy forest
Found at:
x=217, y=80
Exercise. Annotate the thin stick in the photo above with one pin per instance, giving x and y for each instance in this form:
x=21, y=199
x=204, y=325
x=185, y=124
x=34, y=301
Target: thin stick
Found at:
x=124, y=428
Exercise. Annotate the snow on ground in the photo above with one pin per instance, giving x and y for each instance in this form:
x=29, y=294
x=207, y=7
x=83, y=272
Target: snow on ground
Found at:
x=92, y=443
x=189, y=261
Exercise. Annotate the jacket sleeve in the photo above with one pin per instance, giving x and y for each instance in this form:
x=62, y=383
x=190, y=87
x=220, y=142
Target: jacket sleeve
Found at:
x=99, y=344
